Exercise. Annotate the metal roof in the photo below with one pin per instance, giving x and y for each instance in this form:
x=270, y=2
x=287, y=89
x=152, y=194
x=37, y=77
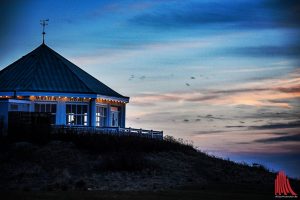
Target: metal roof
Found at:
x=44, y=70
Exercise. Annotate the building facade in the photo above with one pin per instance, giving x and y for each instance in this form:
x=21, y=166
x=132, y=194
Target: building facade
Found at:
x=44, y=81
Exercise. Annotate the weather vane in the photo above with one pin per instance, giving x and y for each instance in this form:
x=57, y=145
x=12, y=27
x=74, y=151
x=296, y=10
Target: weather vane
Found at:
x=44, y=23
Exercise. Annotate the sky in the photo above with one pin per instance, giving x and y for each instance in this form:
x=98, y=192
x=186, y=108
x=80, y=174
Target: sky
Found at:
x=223, y=75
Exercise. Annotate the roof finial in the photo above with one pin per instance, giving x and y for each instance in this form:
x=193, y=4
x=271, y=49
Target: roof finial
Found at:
x=44, y=23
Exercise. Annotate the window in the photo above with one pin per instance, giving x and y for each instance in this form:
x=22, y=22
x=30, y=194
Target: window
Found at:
x=41, y=107
x=19, y=107
x=76, y=114
x=14, y=107
x=101, y=116
x=46, y=108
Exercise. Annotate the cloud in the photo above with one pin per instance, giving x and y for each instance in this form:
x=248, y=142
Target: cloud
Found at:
x=191, y=14
x=202, y=98
x=228, y=15
x=120, y=54
x=295, y=89
x=210, y=116
x=242, y=90
x=263, y=14
x=239, y=126
x=293, y=124
x=278, y=92
x=119, y=7
x=287, y=50
x=288, y=138
x=208, y=132
x=272, y=126
x=285, y=13
x=264, y=114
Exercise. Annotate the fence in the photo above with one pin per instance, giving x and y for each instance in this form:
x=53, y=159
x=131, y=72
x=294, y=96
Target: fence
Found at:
x=109, y=130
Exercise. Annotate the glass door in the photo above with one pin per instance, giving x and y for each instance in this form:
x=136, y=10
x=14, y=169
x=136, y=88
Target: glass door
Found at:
x=114, y=116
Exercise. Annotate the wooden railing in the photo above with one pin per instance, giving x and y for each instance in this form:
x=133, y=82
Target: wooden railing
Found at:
x=110, y=130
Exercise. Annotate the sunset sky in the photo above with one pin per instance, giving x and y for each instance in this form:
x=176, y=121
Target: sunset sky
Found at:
x=223, y=74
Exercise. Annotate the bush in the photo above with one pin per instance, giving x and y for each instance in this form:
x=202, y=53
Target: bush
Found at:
x=105, y=143
x=80, y=185
x=125, y=161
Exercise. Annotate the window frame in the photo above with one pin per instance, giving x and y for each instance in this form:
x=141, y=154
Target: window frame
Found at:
x=73, y=113
x=44, y=105
x=101, y=117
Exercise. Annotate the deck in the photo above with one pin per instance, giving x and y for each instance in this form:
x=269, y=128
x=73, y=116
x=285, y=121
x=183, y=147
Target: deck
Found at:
x=110, y=130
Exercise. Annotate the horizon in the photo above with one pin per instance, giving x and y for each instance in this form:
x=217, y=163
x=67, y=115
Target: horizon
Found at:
x=223, y=75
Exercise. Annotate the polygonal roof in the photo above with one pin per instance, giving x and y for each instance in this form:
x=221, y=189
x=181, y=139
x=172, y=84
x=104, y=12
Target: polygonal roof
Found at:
x=44, y=70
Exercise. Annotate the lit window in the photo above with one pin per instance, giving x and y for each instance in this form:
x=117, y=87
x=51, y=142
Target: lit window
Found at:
x=76, y=114
x=101, y=116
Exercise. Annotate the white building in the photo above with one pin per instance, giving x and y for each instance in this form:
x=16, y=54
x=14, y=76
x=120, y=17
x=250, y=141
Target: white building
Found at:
x=44, y=81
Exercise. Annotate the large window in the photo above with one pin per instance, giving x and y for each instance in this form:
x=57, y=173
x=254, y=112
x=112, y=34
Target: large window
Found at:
x=101, y=116
x=76, y=114
x=46, y=108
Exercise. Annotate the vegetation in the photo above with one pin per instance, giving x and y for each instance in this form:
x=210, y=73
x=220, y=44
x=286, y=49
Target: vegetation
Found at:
x=132, y=166
x=101, y=143
x=214, y=192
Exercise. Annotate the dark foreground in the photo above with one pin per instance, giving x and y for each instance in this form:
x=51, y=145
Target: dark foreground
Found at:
x=72, y=166
x=196, y=192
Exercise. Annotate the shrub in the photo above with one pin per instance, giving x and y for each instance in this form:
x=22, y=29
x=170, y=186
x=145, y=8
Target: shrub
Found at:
x=125, y=161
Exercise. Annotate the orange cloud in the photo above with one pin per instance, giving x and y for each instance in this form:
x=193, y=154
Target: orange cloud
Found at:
x=264, y=93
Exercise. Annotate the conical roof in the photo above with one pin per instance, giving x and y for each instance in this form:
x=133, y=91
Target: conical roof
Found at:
x=44, y=70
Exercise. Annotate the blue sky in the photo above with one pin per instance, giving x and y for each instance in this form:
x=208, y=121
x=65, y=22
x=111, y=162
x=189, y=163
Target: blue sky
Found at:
x=223, y=74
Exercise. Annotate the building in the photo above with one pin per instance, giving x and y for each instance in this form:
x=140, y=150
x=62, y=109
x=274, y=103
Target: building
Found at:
x=44, y=81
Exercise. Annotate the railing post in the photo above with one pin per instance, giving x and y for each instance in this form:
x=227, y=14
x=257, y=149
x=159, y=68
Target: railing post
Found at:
x=151, y=132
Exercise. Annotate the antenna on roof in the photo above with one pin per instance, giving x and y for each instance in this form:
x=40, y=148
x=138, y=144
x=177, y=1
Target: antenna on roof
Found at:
x=44, y=23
